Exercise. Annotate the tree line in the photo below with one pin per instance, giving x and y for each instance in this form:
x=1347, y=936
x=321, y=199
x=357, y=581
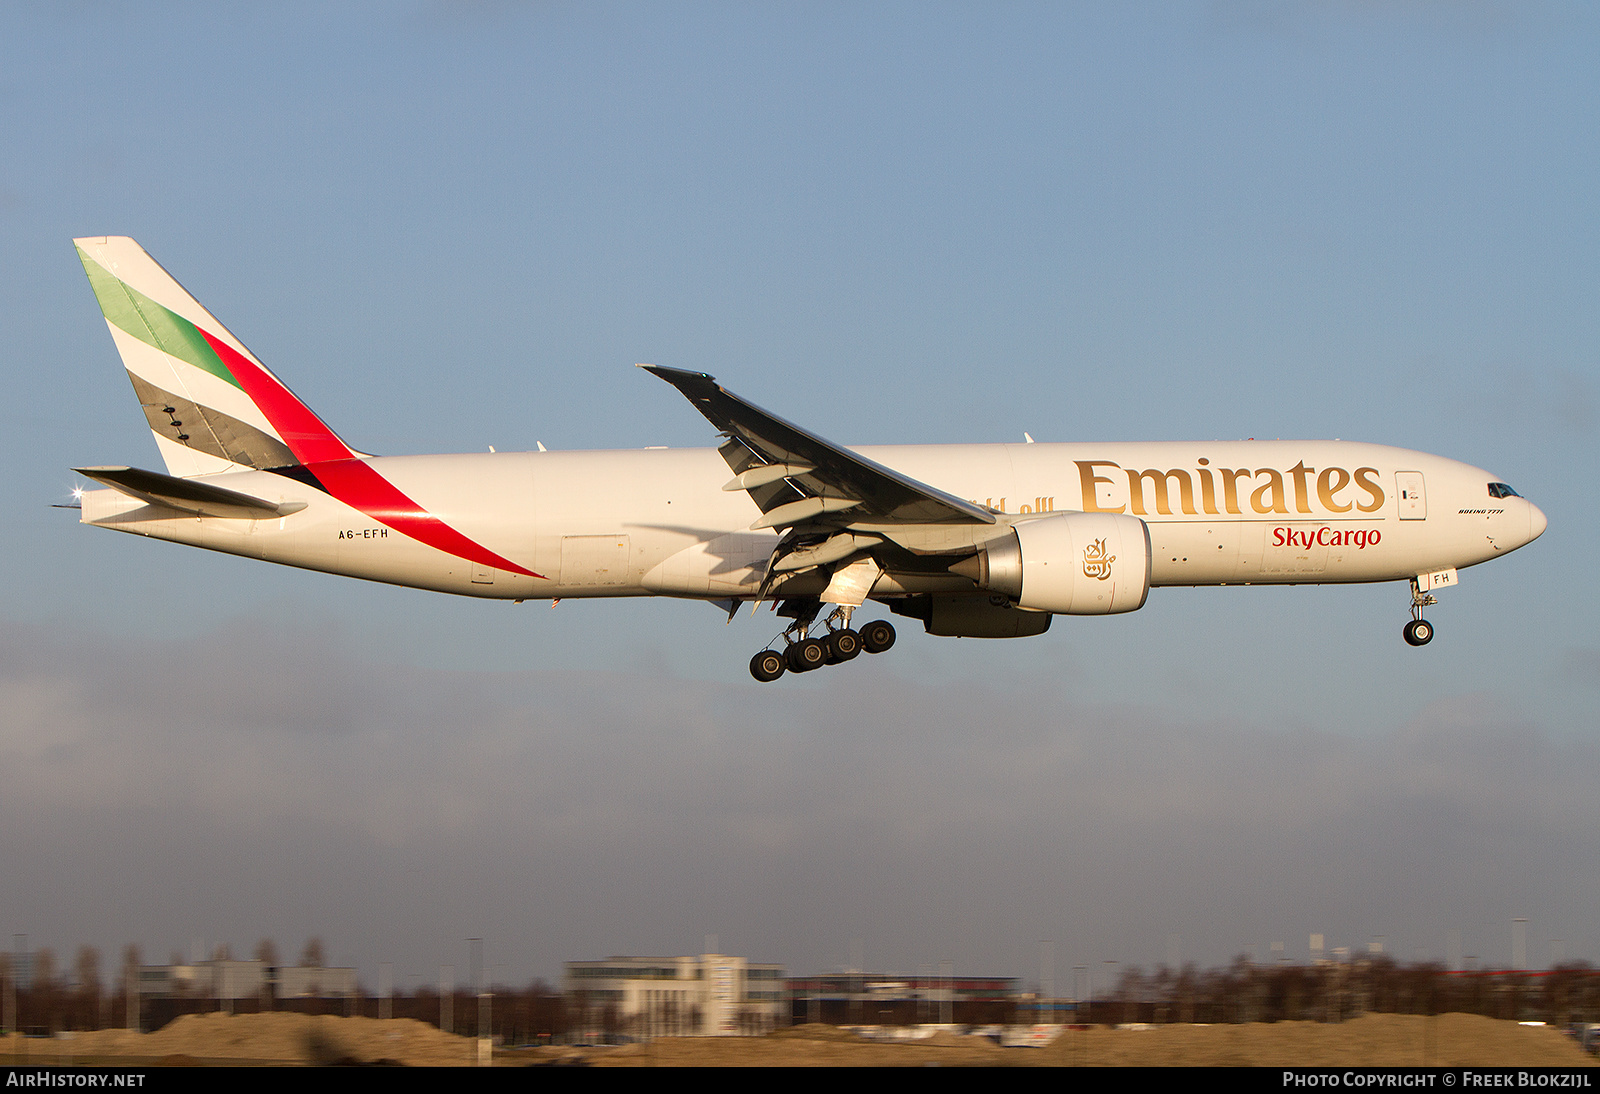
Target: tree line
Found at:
x=52, y=997
x=1332, y=991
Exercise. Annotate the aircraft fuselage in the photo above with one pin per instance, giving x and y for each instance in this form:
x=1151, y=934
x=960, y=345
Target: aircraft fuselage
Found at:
x=657, y=521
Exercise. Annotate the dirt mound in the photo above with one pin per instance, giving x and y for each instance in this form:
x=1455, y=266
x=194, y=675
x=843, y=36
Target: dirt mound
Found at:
x=813, y=1031
x=278, y=1037
x=1375, y=1040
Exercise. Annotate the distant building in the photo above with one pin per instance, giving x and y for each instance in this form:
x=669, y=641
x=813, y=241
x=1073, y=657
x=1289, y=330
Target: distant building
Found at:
x=852, y=998
x=313, y=982
x=203, y=980
x=704, y=996
x=232, y=980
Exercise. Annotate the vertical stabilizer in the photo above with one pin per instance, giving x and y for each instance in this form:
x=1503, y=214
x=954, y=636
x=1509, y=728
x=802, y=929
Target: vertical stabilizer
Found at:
x=211, y=405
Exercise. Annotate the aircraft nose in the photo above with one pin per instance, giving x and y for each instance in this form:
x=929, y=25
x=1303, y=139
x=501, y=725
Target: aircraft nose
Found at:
x=1536, y=522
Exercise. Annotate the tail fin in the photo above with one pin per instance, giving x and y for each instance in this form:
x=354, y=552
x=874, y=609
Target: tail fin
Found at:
x=211, y=405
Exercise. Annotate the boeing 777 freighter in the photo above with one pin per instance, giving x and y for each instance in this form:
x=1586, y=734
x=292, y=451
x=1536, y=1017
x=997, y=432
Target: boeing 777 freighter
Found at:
x=979, y=541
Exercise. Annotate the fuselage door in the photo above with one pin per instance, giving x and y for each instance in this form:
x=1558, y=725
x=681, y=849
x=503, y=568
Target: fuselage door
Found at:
x=594, y=560
x=1412, y=498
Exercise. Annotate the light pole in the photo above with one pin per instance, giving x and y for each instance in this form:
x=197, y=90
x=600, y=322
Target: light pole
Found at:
x=485, y=1041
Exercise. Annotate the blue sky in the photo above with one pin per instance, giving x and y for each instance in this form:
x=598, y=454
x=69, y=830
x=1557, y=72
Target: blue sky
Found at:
x=450, y=226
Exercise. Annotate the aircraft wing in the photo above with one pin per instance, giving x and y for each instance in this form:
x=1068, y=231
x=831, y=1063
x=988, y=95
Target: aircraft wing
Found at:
x=796, y=477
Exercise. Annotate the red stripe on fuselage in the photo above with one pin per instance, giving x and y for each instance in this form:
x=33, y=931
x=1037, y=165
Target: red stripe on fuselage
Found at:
x=355, y=483
x=345, y=476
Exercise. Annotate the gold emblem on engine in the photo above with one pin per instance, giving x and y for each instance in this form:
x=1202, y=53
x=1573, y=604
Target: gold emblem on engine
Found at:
x=1096, y=563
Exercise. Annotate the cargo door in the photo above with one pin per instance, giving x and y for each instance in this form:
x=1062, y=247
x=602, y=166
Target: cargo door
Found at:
x=594, y=560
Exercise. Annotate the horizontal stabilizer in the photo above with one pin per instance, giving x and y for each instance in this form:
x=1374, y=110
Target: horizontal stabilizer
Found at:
x=188, y=495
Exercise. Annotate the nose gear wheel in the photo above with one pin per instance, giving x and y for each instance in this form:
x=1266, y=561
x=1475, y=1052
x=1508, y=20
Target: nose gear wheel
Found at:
x=1419, y=632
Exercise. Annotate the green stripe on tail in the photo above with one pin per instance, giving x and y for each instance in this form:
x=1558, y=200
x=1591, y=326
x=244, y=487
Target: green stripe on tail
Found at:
x=137, y=315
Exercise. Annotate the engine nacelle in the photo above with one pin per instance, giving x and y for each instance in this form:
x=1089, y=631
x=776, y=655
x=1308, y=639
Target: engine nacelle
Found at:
x=972, y=616
x=1069, y=564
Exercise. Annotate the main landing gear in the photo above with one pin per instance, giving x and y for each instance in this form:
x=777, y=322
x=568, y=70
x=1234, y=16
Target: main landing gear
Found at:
x=1419, y=632
x=802, y=653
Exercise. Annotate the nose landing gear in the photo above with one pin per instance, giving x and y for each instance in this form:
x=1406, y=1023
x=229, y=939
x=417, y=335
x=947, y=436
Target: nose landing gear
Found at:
x=1419, y=632
x=802, y=653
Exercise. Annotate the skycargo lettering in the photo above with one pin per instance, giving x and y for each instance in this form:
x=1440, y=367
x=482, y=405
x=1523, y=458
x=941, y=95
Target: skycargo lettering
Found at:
x=1359, y=538
x=1264, y=490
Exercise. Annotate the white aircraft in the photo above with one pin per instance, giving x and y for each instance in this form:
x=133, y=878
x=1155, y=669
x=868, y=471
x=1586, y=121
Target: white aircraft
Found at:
x=981, y=541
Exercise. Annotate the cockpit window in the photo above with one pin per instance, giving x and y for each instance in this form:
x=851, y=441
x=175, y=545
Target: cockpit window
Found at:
x=1501, y=490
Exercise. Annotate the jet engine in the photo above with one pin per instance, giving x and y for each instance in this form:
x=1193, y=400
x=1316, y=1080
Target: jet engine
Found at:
x=1069, y=564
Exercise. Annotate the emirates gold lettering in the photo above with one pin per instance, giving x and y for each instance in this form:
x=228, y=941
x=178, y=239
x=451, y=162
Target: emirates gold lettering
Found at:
x=1329, y=483
x=1298, y=472
x=1091, y=485
x=1159, y=480
x=1374, y=492
x=1208, y=492
x=1230, y=486
x=1274, y=486
x=1156, y=492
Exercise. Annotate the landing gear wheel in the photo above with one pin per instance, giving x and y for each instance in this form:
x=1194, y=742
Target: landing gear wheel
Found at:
x=767, y=666
x=805, y=655
x=877, y=636
x=843, y=645
x=1419, y=632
